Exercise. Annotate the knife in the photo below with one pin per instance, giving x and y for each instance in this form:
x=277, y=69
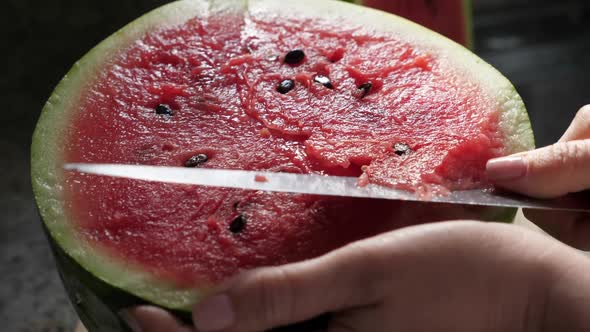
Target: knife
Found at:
x=321, y=185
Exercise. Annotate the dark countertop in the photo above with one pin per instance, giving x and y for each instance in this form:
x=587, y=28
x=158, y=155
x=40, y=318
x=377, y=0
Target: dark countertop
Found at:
x=543, y=52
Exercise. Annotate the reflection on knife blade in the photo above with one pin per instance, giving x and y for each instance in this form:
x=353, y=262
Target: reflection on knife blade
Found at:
x=320, y=185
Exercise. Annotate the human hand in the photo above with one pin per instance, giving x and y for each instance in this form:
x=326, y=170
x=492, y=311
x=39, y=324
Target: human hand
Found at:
x=552, y=172
x=456, y=276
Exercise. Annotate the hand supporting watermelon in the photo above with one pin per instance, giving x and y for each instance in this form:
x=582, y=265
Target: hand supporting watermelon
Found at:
x=551, y=172
x=455, y=276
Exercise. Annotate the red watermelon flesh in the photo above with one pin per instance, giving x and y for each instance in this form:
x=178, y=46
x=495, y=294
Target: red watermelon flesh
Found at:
x=450, y=18
x=220, y=82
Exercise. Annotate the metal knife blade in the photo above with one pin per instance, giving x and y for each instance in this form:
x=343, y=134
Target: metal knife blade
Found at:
x=320, y=185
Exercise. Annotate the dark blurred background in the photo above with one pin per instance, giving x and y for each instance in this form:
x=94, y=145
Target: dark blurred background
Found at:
x=541, y=45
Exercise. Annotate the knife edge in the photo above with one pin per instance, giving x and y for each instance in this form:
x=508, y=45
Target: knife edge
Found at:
x=323, y=185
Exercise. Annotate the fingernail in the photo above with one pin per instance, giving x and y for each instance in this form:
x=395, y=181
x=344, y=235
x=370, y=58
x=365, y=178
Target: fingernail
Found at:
x=506, y=169
x=214, y=314
x=132, y=323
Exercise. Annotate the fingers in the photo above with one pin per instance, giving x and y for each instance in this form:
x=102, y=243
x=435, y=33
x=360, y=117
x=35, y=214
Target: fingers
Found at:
x=545, y=173
x=552, y=171
x=580, y=127
x=350, y=277
x=152, y=319
x=572, y=229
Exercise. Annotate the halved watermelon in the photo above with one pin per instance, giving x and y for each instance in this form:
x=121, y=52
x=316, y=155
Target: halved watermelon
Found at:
x=451, y=18
x=305, y=86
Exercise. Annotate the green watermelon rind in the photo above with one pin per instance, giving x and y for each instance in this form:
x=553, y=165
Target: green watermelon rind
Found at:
x=47, y=144
x=468, y=15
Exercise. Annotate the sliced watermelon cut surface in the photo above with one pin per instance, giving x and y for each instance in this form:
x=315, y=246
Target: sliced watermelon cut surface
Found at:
x=377, y=97
x=223, y=93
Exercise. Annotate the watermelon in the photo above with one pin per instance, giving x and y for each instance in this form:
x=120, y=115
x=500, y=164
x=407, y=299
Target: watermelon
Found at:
x=451, y=18
x=308, y=86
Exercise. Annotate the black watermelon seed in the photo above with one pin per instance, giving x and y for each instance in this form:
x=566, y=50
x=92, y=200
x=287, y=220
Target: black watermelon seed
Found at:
x=163, y=109
x=197, y=160
x=324, y=80
x=365, y=89
x=286, y=86
x=294, y=57
x=402, y=149
x=238, y=224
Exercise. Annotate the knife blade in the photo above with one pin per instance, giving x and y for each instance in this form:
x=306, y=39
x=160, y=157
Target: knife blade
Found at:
x=314, y=184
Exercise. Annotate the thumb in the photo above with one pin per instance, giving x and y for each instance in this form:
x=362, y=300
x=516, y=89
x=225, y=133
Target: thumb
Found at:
x=549, y=172
x=266, y=298
x=580, y=127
